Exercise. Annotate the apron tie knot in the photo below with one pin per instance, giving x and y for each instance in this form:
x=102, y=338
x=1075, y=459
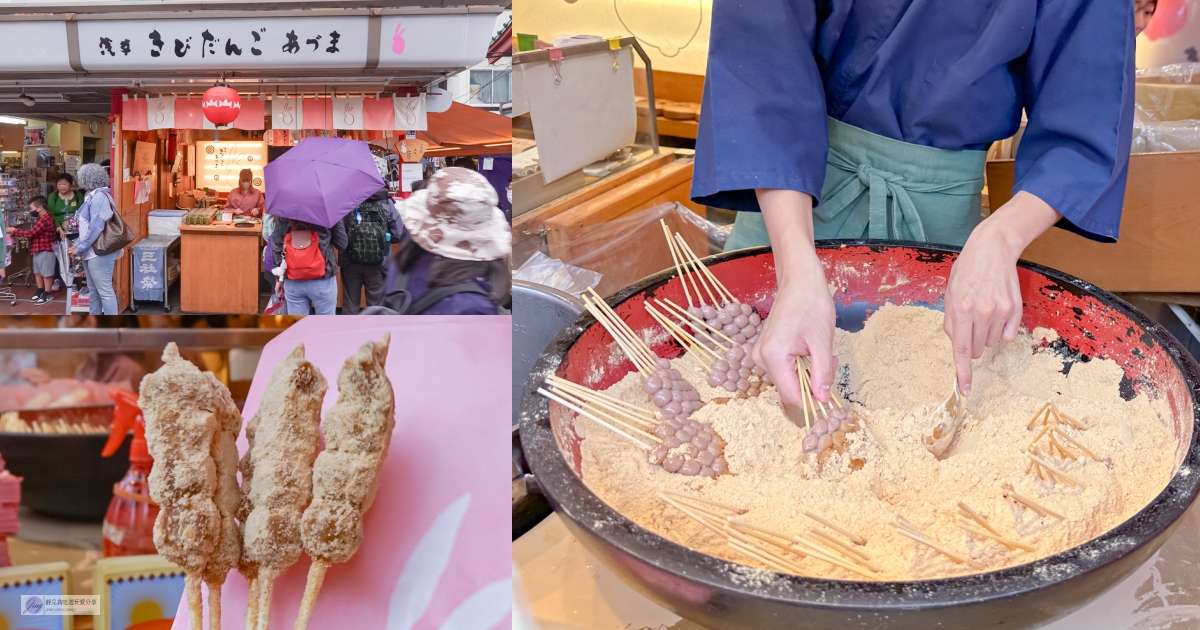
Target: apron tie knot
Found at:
x=880, y=186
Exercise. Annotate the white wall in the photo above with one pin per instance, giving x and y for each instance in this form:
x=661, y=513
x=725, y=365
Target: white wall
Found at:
x=460, y=84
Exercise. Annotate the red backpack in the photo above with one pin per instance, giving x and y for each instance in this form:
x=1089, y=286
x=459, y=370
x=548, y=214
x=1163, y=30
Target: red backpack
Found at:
x=302, y=251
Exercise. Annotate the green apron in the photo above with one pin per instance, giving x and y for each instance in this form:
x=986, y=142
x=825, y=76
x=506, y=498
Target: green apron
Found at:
x=880, y=188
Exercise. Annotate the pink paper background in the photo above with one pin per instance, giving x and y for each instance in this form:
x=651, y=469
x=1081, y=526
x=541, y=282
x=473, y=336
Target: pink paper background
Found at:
x=452, y=378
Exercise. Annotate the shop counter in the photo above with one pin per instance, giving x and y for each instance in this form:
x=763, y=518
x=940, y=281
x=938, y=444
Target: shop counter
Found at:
x=219, y=268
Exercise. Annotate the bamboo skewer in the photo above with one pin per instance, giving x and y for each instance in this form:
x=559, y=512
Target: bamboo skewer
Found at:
x=675, y=258
x=815, y=551
x=1007, y=542
x=694, y=515
x=858, y=540
x=629, y=407
x=694, y=266
x=1076, y=444
x=682, y=320
x=846, y=550
x=728, y=508
x=592, y=416
x=1053, y=470
x=911, y=532
x=1009, y=493
x=587, y=399
x=975, y=516
x=696, y=350
x=725, y=294
x=681, y=312
x=630, y=343
x=758, y=544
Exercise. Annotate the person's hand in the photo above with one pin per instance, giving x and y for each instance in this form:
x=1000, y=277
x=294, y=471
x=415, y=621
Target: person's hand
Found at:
x=800, y=324
x=35, y=376
x=71, y=250
x=983, y=297
x=61, y=234
x=279, y=287
x=10, y=230
x=802, y=319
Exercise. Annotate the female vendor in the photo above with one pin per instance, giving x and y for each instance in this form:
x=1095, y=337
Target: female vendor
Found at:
x=851, y=119
x=246, y=199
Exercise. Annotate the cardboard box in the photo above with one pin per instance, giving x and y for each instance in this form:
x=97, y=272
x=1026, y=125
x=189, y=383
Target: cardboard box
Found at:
x=1158, y=248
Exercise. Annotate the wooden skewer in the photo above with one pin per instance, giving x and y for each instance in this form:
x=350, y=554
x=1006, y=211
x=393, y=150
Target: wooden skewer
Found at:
x=1043, y=511
x=1055, y=471
x=691, y=513
x=640, y=432
x=697, y=331
x=739, y=522
x=858, y=540
x=808, y=366
x=618, y=334
x=595, y=418
x=1007, y=542
x=723, y=506
x=1076, y=444
x=1062, y=417
x=1038, y=414
x=758, y=544
x=744, y=528
x=693, y=266
x=717, y=283
x=630, y=407
x=1064, y=452
x=975, y=516
x=695, y=349
x=684, y=313
x=633, y=345
x=904, y=531
x=818, y=552
x=591, y=398
x=675, y=258
x=768, y=559
x=850, y=552
x=1045, y=428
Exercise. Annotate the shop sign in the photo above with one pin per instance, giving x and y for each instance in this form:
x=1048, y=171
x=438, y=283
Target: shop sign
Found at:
x=455, y=40
x=222, y=44
x=219, y=164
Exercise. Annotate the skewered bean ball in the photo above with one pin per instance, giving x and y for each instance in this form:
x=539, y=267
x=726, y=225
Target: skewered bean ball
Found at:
x=668, y=390
x=689, y=447
x=829, y=432
x=736, y=371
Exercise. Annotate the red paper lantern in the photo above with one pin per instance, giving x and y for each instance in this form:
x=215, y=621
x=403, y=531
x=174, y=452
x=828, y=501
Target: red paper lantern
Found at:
x=221, y=105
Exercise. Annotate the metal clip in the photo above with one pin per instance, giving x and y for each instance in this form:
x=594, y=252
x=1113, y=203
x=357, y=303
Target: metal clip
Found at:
x=556, y=55
x=614, y=47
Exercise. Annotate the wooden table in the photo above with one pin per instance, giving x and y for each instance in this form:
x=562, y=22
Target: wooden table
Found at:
x=219, y=268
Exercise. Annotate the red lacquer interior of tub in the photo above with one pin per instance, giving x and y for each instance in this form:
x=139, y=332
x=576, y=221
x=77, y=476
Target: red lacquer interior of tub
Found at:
x=900, y=275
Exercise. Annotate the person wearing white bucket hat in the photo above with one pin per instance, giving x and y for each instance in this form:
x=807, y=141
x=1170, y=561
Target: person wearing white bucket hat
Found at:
x=454, y=259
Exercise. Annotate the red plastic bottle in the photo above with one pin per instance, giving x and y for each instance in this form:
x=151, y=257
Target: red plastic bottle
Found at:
x=129, y=524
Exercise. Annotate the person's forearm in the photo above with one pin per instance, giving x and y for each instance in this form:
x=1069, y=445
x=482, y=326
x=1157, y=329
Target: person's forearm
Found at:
x=788, y=217
x=1019, y=222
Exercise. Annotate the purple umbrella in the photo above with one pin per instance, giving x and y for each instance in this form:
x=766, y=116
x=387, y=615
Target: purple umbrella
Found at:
x=321, y=180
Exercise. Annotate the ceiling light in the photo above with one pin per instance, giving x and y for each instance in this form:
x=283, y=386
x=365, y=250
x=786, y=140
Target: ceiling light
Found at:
x=9, y=120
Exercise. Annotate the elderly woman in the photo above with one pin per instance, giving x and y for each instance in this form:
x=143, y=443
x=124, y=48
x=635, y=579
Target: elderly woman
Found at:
x=246, y=199
x=97, y=209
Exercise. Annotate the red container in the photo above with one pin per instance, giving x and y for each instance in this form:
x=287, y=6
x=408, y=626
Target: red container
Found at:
x=866, y=274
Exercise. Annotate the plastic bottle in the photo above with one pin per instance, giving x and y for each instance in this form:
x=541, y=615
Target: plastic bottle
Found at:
x=128, y=528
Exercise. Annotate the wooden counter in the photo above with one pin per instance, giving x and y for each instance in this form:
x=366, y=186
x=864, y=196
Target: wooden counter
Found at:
x=1160, y=229
x=219, y=269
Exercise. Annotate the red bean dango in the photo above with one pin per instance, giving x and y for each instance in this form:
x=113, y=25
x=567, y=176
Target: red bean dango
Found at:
x=830, y=432
x=735, y=320
x=670, y=393
x=737, y=372
x=689, y=447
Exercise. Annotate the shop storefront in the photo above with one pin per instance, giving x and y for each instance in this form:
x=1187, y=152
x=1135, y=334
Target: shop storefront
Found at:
x=364, y=74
